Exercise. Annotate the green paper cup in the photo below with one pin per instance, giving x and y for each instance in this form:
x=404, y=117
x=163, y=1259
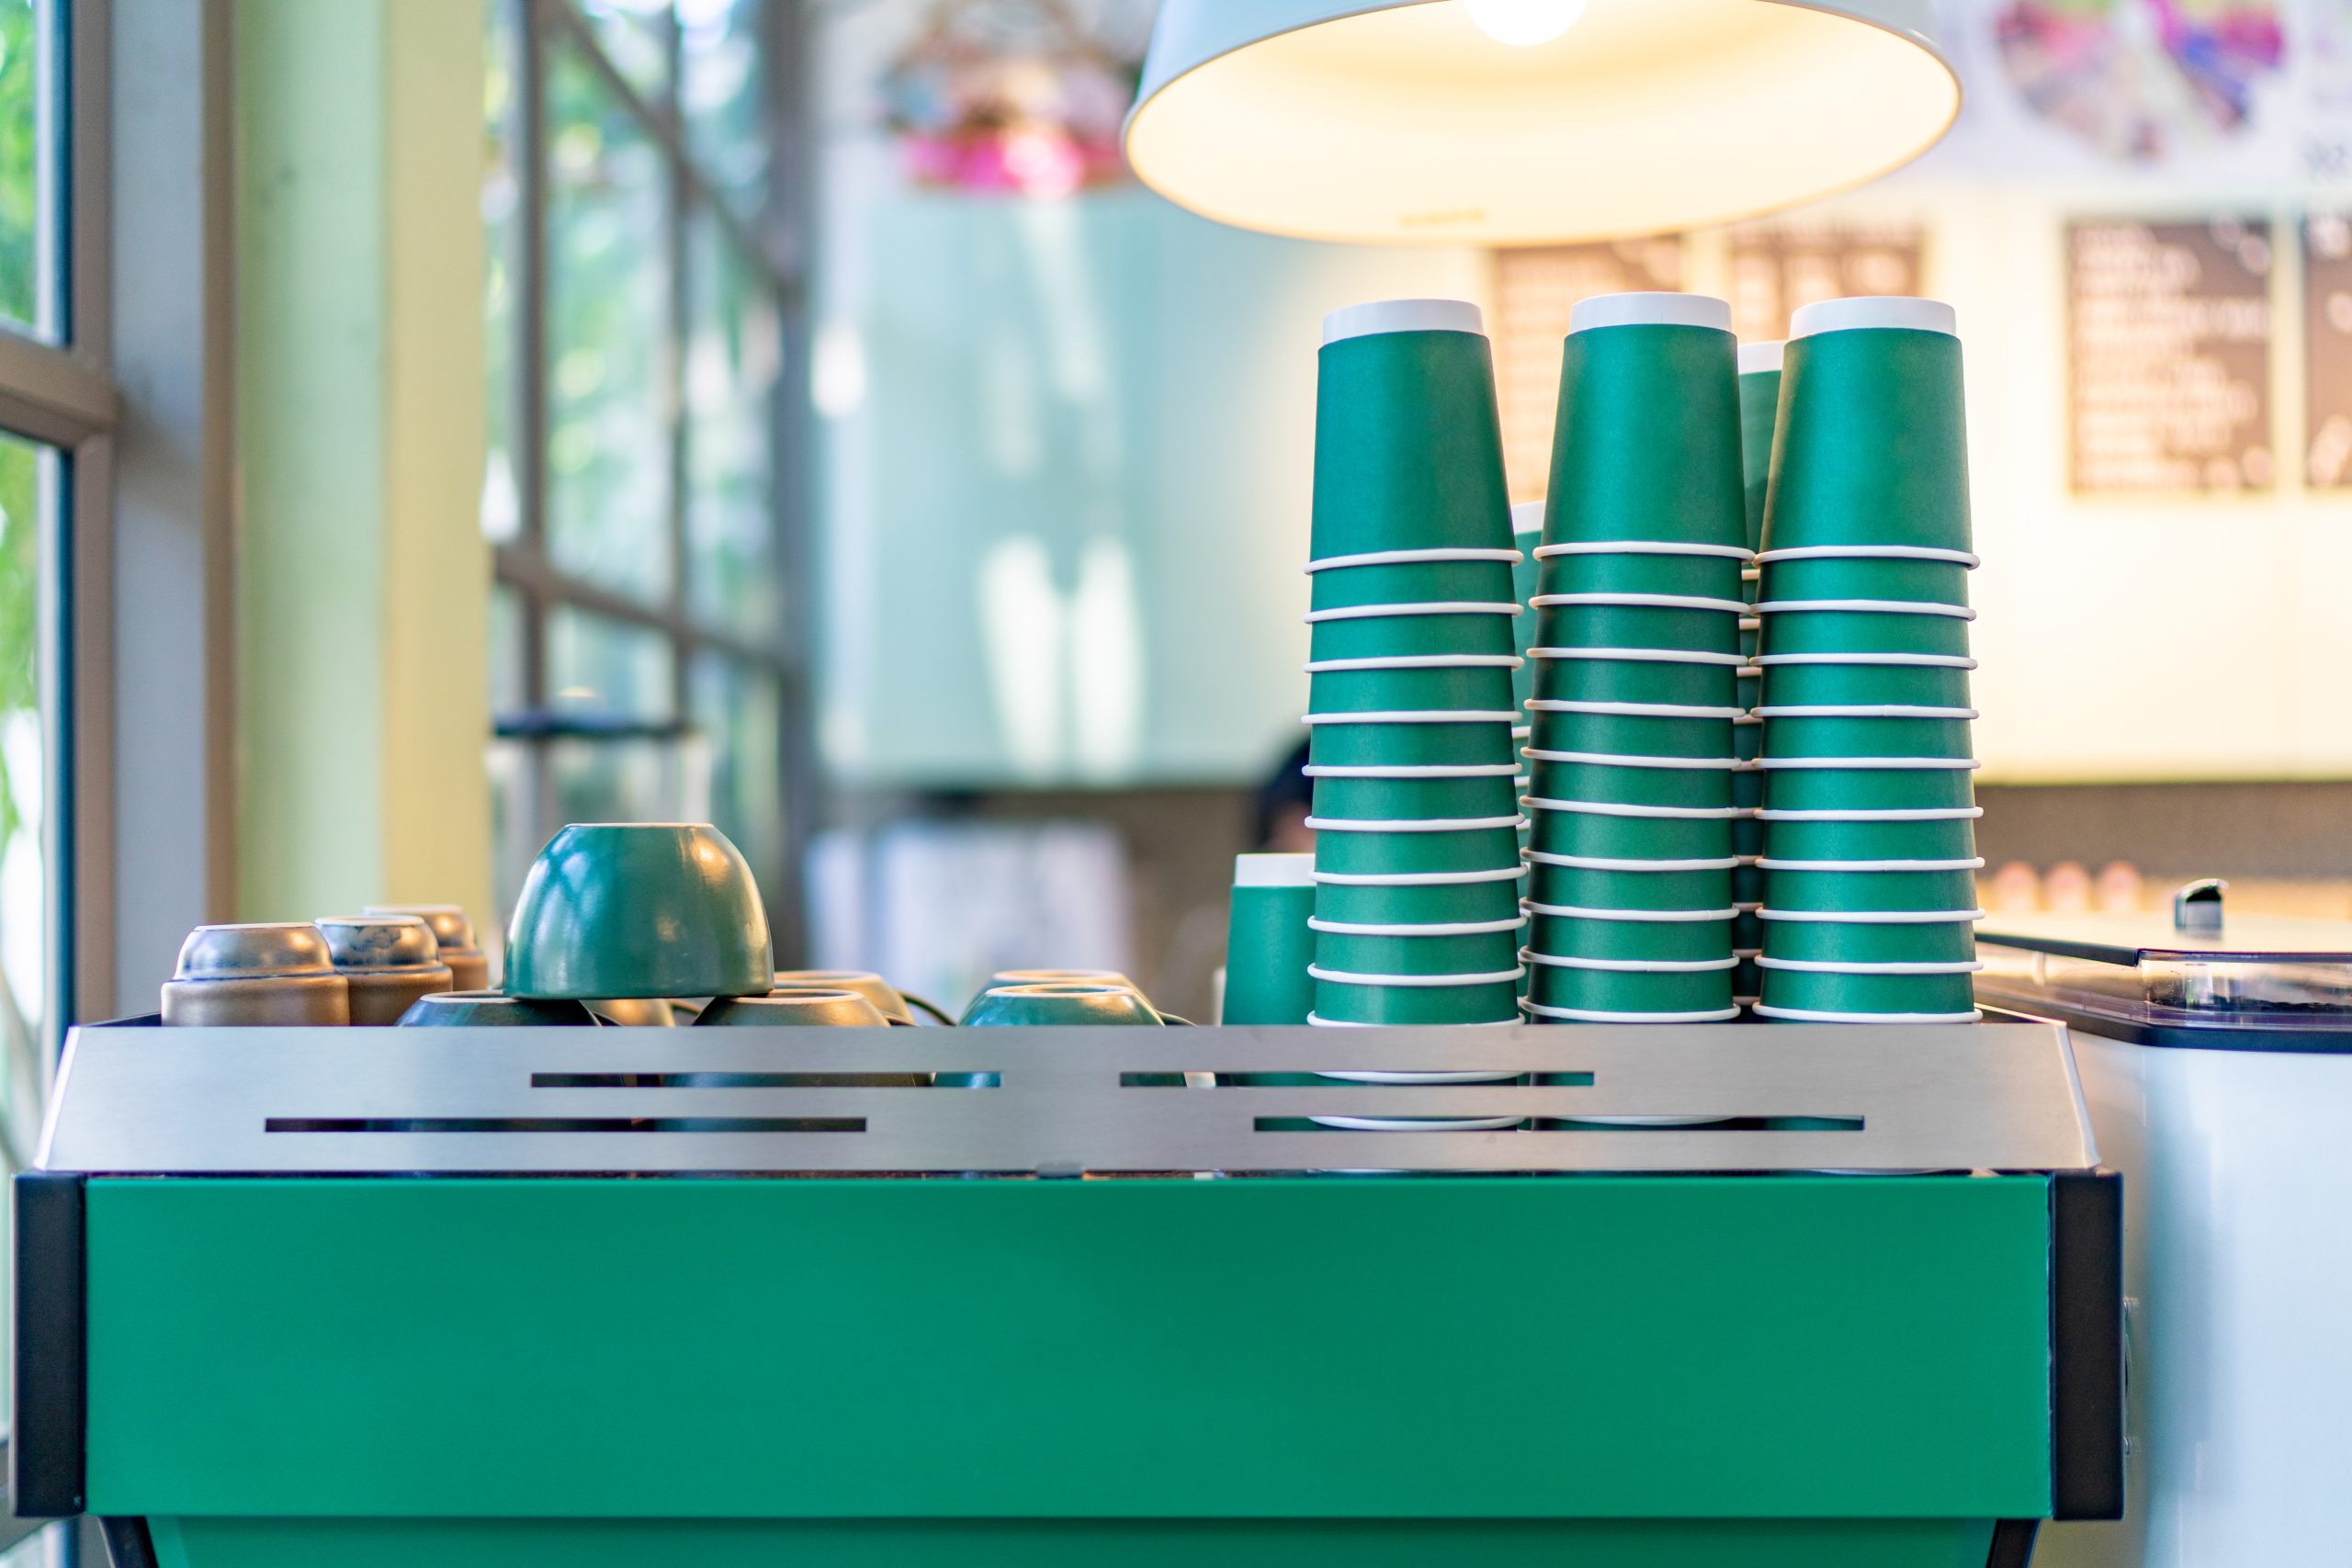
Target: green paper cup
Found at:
x=1914, y=784
x=1747, y=886
x=1494, y=897
x=1891, y=886
x=1856, y=732
x=1748, y=934
x=1632, y=734
x=1598, y=935
x=1747, y=784
x=1594, y=835
x=1870, y=942
x=1926, y=579
x=1358, y=1001
x=1871, y=838
x=1683, y=682
x=1677, y=992
x=1416, y=799
x=1407, y=443
x=1447, y=950
x=1747, y=837
x=1759, y=403
x=1867, y=991
x=1648, y=439
x=1483, y=744
x=1810, y=684
x=1438, y=627
x=1596, y=887
x=1750, y=638
x=1629, y=568
x=1268, y=943
x=1701, y=626
x=1349, y=851
x=1825, y=630
x=1747, y=738
x=1871, y=448
x=1747, y=980
x=1382, y=580
x=1696, y=784
x=1447, y=688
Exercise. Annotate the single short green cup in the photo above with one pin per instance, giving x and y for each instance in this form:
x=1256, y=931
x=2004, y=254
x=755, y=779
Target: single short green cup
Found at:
x=1862, y=991
x=1646, y=442
x=1597, y=936
x=1482, y=744
x=1860, y=631
x=1709, y=575
x=490, y=1010
x=1492, y=1002
x=1927, y=580
x=1445, y=688
x=1813, y=887
x=1389, y=851
x=1415, y=800
x=639, y=910
x=1415, y=903
x=1851, y=685
x=1634, y=734
x=1701, y=627
x=1592, y=835
x=1672, y=991
x=1821, y=785
x=1703, y=785
x=1678, y=682
x=1410, y=582
x=1448, y=952
x=1269, y=945
x=1817, y=732
x=1759, y=404
x=1870, y=942
x=1870, y=837
x=1596, y=887
x=1871, y=445
x=797, y=1007
x=1067, y=1003
x=1412, y=629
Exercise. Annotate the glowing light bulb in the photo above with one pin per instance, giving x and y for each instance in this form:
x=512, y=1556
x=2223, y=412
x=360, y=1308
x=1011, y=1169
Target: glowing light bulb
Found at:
x=1524, y=22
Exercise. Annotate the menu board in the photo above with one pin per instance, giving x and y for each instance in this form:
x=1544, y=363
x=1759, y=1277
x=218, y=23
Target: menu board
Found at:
x=2328, y=350
x=1535, y=291
x=1775, y=267
x=2169, y=356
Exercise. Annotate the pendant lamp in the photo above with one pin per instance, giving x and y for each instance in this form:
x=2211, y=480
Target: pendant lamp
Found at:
x=1500, y=122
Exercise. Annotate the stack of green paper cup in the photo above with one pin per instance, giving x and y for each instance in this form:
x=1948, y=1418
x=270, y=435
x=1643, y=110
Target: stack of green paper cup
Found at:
x=1759, y=403
x=1417, y=869
x=1526, y=535
x=1635, y=658
x=1868, y=819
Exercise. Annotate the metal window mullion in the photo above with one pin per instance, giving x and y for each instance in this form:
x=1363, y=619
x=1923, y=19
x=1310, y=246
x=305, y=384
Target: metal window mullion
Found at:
x=785, y=30
x=676, y=323
x=528, y=138
x=532, y=575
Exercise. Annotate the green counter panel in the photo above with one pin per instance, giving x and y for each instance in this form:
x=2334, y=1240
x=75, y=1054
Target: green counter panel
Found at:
x=1597, y=1349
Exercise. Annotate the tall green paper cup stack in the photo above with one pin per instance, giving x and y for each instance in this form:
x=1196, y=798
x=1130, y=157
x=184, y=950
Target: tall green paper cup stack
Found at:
x=1869, y=817
x=1635, y=664
x=1759, y=404
x=1417, y=869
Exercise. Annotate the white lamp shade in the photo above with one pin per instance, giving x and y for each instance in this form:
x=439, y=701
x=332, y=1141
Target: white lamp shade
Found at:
x=1406, y=123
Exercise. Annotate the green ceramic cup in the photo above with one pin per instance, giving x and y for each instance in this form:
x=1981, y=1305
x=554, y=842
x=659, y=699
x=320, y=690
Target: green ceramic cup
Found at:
x=637, y=1012
x=1692, y=628
x=1829, y=787
x=1408, y=441
x=1676, y=682
x=1808, y=889
x=1927, y=581
x=1413, y=629
x=1390, y=851
x=1648, y=439
x=1111, y=977
x=1027, y=1006
x=1268, y=942
x=1634, y=734
x=1467, y=952
x=1706, y=786
x=1864, y=838
x=1484, y=744
x=1712, y=575
x=1452, y=688
x=798, y=1007
x=1870, y=942
x=639, y=910
x=1410, y=582
x=1413, y=904
x=1814, y=733
x=1850, y=685
x=1859, y=630
x=490, y=1010
x=1676, y=992
x=887, y=998
x=1346, y=1002
x=1594, y=887
x=1560, y=936
x=1759, y=405
x=1416, y=799
x=1852, y=991
x=1610, y=836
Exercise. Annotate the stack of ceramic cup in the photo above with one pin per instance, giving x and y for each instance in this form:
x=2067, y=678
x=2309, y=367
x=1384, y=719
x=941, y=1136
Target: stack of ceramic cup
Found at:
x=1417, y=868
x=1759, y=402
x=1868, y=819
x=1636, y=653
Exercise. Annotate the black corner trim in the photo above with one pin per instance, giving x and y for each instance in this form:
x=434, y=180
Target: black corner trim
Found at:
x=130, y=1544
x=2087, y=1346
x=45, y=1467
x=2012, y=1543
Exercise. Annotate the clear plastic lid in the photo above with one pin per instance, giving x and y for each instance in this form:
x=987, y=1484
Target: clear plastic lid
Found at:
x=2269, y=973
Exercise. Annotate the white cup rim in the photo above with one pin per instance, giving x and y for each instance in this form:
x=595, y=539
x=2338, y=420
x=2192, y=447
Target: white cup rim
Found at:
x=1638, y=655
x=1642, y=547
x=1607, y=863
x=1412, y=824
x=1594, y=1015
x=1632, y=965
x=1639, y=601
x=1418, y=982
x=1420, y=878
x=1864, y=607
x=1414, y=557
x=1621, y=808
x=1814, y=1015
x=1872, y=916
x=1415, y=607
x=1871, y=552
x=1434, y=927
x=1636, y=916
x=1769, y=863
